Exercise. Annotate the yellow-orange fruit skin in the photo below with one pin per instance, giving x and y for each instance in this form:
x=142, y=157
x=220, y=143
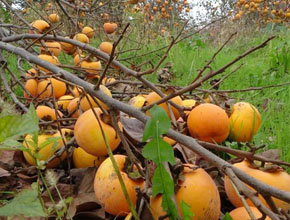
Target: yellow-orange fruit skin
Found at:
x=106, y=47
x=45, y=89
x=89, y=32
x=53, y=47
x=67, y=47
x=245, y=121
x=85, y=104
x=31, y=87
x=44, y=153
x=52, y=59
x=129, y=216
x=64, y=101
x=31, y=72
x=40, y=25
x=54, y=18
x=89, y=136
x=110, y=28
x=189, y=103
x=46, y=113
x=72, y=108
x=82, y=38
x=278, y=179
x=76, y=91
x=208, y=122
x=199, y=191
x=153, y=97
x=108, y=189
x=91, y=67
x=82, y=159
x=242, y=214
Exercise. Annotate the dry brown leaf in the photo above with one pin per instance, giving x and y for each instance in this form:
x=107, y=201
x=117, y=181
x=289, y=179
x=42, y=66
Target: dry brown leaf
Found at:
x=132, y=127
x=4, y=173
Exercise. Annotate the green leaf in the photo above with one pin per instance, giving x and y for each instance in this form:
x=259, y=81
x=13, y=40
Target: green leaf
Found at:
x=227, y=217
x=163, y=184
x=12, y=126
x=25, y=204
x=159, y=151
x=186, y=212
x=158, y=124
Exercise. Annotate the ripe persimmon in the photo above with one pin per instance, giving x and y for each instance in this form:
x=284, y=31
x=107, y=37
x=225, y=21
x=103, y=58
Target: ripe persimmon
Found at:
x=106, y=47
x=53, y=18
x=67, y=47
x=91, y=67
x=88, y=31
x=198, y=190
x=39, y=153
x=54, y=48
x=208, y=122
x=153, y=97
x=110, y=28
x=86, y=101
x=46, y=113
x=31, y=87
x=278, y=179
x=108, y=190
x=82, y=159
x=242, y=214
x=64, y=101
x=189, y=103
x=82, y=38
x=245, y=121
x=51, y=59
x=40, y=25
x=88, y=133
x=73, y=109
x=46, y=88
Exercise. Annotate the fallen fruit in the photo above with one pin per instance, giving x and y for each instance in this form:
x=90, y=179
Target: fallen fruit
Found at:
x=89, y=136
x=242, y=214
x=198, y=190
x=278, y=179
x=208, y=122
x=82, y=159
x=245, y=121
x=108, y=190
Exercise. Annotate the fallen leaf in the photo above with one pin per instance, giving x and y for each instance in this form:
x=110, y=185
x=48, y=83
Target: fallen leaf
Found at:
x=4, y=173
x=273, y=154
x=132, y=127
x=6, y=157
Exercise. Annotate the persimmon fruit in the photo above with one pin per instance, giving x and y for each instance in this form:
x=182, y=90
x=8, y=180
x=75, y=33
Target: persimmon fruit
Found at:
x=245, y=121
x=242, y=214
x=278, y=179
x=108, y=190
x=88, y=133
x=208, y=122
x=82, y=159
x=198, y=190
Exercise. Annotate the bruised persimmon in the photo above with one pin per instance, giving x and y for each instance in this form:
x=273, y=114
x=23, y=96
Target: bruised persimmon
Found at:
x=88, y=133
x=39, y=153
x=208, y=122
x=198, y=190
x=87, y=100
x=110, y=28
x=108, y=190
x=242, y=214
x=245, y=121
x=46, y=113
x=153, y=97
x=106, y=47
x=277, y=178
x=82, y=159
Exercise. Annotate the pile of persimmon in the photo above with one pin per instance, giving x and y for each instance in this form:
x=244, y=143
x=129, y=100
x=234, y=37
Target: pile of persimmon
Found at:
x=276, y=11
